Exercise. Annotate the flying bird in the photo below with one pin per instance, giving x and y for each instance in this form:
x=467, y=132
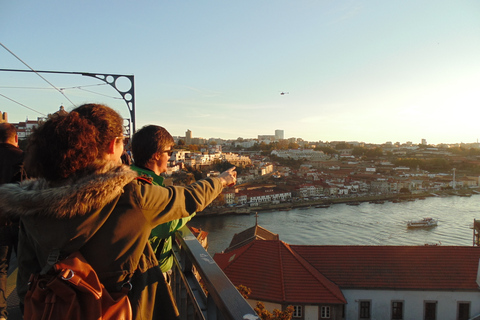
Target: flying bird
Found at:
x=283, y=93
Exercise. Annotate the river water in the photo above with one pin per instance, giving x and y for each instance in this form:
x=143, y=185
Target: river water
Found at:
x=365, y=224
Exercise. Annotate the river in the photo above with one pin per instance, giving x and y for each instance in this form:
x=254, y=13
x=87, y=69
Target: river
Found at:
x=365, y=224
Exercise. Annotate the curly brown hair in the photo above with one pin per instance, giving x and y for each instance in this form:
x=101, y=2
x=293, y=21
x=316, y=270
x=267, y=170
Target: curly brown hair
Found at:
x=70, y=144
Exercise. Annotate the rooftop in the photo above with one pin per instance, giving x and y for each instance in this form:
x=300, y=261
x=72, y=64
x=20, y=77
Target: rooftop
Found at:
x=287, y=273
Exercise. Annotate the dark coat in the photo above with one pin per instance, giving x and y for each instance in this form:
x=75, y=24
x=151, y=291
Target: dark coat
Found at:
x=109, y=214
x=11, y=163
x=11, y=170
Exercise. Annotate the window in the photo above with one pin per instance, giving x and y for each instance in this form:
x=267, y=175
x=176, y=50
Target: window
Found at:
x=463, y=311
x=397, y=310
x=325, y=312
x=297, y=311
x=430, y=311
x=364, y=309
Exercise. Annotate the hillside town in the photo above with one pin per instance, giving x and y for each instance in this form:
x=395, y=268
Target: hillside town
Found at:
x=307, y=175
x=279, y=172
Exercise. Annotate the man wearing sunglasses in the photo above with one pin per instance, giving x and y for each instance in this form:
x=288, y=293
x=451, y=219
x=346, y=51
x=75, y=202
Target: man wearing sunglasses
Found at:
x=151, y=150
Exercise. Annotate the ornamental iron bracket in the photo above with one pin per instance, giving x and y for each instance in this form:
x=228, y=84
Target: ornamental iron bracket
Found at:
x=127, y=93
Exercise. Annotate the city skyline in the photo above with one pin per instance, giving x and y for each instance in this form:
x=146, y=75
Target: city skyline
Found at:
x=320, y=70
x=189, y=137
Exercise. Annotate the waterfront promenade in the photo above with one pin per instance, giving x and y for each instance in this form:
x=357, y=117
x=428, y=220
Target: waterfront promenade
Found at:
x=245, y=210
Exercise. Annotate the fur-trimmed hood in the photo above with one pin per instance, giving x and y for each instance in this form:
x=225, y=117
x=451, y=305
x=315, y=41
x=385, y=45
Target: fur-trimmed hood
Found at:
x=74, y=196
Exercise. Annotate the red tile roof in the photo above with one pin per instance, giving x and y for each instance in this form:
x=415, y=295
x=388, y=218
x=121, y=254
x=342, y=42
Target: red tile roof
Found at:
x=396, y=267
x=278, y=272
x=274, y=272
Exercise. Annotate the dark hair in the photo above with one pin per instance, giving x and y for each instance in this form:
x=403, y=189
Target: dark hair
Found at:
x=7, y=131
x=70, y=144
x=148, y=141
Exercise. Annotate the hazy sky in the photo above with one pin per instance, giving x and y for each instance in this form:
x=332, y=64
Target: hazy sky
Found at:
x=371, y=71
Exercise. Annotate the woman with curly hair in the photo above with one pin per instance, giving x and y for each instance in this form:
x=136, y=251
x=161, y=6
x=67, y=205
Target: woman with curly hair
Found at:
x=83, y=197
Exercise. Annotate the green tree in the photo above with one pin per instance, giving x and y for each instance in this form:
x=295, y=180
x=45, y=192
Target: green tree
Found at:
x=293, y=145
x=359, y=151
x=343, y=145
x=374, y=153
x=327, y=150
x=281, y=145
x=437, y=165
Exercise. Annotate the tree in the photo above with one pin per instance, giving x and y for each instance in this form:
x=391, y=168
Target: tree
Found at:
x=358, y=151
x=342, y=145
x=374, y=153
x=262, y=312
x=192, y=147
x=244, y=291
x=293, y=145
x=326, y=150
x=281, y=145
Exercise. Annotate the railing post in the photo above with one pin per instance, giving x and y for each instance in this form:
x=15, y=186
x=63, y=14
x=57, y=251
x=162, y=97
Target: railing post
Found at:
x=222, y=300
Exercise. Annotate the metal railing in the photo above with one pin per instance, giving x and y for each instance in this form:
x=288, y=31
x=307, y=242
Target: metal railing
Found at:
x=201, y=289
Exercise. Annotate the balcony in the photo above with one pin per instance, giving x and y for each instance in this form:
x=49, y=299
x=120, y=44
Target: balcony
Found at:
x=192, y=262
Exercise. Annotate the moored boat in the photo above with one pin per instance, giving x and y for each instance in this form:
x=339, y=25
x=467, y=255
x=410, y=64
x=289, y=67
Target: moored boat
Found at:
x=424, y=223
x=353, y=203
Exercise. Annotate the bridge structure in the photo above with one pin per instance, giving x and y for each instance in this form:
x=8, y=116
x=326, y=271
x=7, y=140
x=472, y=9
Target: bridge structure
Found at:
x=114, y=80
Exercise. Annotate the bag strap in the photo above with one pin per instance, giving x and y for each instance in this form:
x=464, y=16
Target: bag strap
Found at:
x=51, y=260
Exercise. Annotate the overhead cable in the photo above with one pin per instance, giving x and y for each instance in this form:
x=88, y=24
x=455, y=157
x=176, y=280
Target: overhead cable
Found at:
x=32, y=88
x=1, y=95
x=38, y=74
x=100, y=94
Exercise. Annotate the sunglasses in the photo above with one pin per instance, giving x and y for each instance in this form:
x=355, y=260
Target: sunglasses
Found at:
x=169, y=152
x=124, y=140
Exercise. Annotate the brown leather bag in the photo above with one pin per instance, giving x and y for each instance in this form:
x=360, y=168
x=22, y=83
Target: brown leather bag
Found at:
x=72, y=290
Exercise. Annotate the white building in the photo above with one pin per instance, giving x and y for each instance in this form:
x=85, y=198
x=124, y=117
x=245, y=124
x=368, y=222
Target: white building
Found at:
x=279, y=135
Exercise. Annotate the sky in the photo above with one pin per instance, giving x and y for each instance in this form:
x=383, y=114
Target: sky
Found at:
x=369, y=71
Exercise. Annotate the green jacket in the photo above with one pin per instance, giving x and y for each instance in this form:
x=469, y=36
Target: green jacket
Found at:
x=109, y=214
x=161, y=237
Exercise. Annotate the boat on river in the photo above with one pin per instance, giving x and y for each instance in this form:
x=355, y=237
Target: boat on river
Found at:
x=424, y=223
x=322, y=206
x=304, y=208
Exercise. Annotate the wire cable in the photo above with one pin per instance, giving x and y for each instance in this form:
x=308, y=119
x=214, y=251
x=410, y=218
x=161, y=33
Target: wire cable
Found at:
x=100, y=94
x=31, y=88
x=1, y=95
x=38, y=74
x=68, y=88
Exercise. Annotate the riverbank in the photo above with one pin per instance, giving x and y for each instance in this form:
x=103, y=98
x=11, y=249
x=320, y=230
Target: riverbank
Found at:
x=331, y=201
